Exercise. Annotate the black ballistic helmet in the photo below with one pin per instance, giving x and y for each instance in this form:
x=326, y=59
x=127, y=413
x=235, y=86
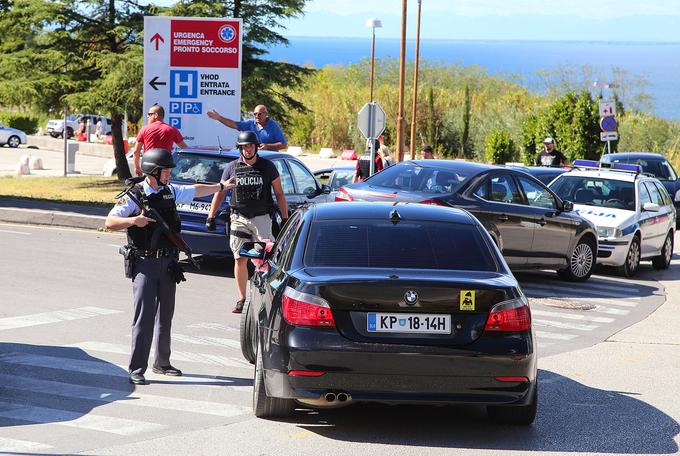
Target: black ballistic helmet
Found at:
x=247, y=137
x=156, y=159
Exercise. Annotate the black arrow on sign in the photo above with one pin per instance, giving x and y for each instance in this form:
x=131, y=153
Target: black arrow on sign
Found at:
x=154, y=82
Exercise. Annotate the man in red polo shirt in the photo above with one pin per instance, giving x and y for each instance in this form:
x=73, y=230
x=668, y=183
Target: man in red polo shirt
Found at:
x=156, y=134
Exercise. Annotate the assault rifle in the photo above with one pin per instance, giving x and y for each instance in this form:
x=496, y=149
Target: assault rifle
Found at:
x=175, y=238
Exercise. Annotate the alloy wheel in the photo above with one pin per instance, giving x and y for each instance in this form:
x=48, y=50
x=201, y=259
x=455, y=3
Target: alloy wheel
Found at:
x=582, y=259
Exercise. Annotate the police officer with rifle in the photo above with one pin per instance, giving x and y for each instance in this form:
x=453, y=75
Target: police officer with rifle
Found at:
x=251, y=205
x=147, y=210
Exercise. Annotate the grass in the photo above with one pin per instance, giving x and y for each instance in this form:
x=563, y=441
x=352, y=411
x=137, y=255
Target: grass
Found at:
x=90, y=190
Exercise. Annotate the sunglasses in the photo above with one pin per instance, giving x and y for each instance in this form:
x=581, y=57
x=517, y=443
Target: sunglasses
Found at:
x=259, y=113
x=150, y=113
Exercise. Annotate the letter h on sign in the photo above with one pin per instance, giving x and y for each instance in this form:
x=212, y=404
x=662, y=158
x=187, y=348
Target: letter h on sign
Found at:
x=183, y=84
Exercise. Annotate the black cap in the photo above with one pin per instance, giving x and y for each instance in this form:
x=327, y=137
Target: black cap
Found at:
x=247, y=137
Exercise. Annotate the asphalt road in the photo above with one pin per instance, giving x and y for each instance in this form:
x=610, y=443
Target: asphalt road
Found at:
x=64, y=345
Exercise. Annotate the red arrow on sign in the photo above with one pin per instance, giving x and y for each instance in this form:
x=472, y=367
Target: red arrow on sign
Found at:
x=159, y=39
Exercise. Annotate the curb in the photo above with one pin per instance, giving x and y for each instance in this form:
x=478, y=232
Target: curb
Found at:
x=47, y=213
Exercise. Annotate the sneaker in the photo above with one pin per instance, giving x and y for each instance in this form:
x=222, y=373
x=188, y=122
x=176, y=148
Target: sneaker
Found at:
x=167, y=370
x=137, y=379
x=238, y=308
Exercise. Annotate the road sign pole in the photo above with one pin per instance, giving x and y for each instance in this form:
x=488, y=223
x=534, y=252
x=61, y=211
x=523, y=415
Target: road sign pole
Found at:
x=609, y=147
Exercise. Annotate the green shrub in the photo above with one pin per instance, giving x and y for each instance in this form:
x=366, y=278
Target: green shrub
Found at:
x=499, y=147
x=25, y=122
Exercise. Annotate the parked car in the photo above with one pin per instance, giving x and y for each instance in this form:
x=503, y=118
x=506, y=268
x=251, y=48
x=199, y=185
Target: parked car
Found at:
x=335, y=177
x=11, y=136
x=206, y=165
x=110, y=165
x=634, y=215
x=543, y=173
x=532, y=226
x=55, y=127
x=355, y=295
x=655, y=164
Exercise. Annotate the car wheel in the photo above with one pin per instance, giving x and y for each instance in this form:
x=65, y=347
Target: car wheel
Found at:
x=522, y=415
x=630, y=267
x=663, y=261
x=246, y=331
x=69, y=132
x=55, y=135
x=581, y=262
x=263, y=405
x=13, y=141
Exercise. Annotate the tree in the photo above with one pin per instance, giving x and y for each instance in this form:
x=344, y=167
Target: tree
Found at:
x=264, y=81
x=499, y=147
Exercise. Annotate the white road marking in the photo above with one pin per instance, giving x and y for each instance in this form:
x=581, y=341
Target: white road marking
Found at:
x=563, y=325
x=571, y=292
x=557, y=336
x=78, y=420
x=54, y=317
x=609, y=310
x=114, y=245
x=15, y=232
x=21, y=446
x=201, y=358
x=81, y=366
x=613, y=302
x=571, y=316
x=214, y=326
x=204, y=340
x=136, y=398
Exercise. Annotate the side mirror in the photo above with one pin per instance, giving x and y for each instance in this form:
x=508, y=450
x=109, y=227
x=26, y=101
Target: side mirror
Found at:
x=651, y=207
x=325, y=189
x=567, y=206
x=255, y=250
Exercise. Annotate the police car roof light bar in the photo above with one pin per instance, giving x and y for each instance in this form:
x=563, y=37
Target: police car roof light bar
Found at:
x=637, y=169
x=586, y=164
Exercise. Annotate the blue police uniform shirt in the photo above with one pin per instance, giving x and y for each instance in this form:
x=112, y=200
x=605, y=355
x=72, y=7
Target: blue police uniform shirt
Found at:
x=271, y=132
x=126, y=208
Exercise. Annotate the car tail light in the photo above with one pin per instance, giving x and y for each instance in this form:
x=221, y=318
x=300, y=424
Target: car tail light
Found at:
x=509, y=379
x=513, y=315
x=304, y=373
x=434, y=202
x=343, y=195
x=306, y=310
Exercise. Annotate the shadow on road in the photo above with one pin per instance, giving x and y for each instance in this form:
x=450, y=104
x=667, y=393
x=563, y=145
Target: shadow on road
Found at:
x=572, y=417
x=48, y=384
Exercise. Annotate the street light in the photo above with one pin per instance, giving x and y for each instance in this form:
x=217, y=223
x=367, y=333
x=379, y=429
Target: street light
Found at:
x=414, y=110
x=373, y=23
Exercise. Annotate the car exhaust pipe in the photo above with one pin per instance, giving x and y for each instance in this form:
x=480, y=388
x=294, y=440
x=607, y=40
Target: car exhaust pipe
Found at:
x=330, y=397
x=327, y=400
x=342, y=397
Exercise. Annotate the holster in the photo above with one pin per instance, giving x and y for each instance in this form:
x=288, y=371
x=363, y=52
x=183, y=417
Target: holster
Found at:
x=129, y=258
x=176, y=272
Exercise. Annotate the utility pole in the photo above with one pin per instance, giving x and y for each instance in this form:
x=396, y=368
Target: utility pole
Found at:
x=402, y=64
x=414, y=109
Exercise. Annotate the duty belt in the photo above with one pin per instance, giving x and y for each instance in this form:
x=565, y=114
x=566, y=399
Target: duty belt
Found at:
x=249, y=214
x=158, y=253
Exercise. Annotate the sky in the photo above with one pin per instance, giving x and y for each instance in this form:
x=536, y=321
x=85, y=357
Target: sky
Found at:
x=571, y=20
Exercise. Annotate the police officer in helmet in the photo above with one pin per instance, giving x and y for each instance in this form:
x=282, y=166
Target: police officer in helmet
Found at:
x=152, y=280
x=251, y=204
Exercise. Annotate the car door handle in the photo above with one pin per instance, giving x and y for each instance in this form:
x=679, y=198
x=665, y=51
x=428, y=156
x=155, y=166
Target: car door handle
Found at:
x=542, y=222
x=503, y=218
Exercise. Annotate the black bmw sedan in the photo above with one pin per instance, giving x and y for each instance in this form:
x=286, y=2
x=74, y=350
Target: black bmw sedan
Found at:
x=391, y=303
x=531, y=225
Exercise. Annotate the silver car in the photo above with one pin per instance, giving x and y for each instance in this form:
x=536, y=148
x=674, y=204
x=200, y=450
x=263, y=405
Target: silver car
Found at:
x=11, y=136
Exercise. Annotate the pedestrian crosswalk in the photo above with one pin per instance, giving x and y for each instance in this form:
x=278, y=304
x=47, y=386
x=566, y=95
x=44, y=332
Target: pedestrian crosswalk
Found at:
x=564, y=311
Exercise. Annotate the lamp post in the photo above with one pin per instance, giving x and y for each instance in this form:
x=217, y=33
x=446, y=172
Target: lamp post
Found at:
x=373, y=23
x=402, y=64
x=414, y=110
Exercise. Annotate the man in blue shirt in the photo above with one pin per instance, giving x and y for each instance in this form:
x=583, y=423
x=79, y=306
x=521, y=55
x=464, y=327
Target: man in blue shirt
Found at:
x=267, y=130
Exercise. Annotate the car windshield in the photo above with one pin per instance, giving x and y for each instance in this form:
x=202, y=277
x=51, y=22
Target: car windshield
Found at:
x=340, y=178
x=595, y=191
x=192, y=168
x=405, y=245
x=660, y=169
x=413, y=177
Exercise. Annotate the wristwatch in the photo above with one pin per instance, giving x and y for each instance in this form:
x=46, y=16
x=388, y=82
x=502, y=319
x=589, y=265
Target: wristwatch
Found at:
x=221, y=186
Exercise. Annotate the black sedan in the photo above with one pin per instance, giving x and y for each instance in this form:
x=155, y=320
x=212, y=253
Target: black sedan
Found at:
x=532, y=226
x=206, y=165
x=391, y=303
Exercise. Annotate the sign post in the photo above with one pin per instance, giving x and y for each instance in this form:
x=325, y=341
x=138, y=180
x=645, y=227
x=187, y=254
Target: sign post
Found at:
x=191, y=66
x=371, y=123
x=608, y=123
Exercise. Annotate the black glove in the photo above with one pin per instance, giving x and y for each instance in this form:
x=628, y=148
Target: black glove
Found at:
x=210, y=224
x=177, y=272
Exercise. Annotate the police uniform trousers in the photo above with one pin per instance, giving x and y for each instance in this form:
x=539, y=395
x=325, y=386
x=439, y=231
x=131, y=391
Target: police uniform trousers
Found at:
x=154, y=305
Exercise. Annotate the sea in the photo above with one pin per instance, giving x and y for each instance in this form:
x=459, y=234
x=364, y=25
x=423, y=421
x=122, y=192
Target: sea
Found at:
x=653, y=68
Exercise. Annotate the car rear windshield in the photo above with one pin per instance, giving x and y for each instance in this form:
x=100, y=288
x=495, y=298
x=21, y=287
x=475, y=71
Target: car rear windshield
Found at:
x=192, y=168
x=660, y=169
x=595, y=191
x=405, y=245
x=412, y=177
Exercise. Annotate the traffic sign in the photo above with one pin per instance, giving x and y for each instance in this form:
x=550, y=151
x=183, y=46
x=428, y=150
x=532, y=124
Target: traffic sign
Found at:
x=607, y=108
x=609, y=136
x=608, y=123
x=192, y=66
x=371, y=120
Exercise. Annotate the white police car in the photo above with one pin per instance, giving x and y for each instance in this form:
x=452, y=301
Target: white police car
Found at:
x=633, y=212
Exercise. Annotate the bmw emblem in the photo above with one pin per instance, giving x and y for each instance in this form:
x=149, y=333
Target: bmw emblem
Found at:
x=411, y=297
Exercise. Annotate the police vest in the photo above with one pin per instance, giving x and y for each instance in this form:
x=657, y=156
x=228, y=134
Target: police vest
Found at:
x=151, y=236
x=364, y=166
x=252, y=195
